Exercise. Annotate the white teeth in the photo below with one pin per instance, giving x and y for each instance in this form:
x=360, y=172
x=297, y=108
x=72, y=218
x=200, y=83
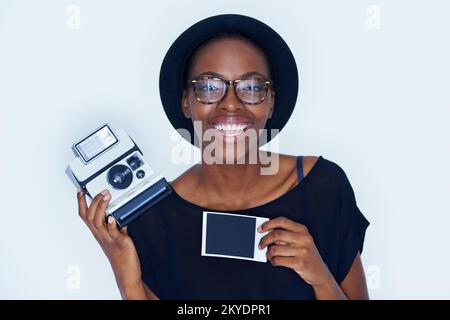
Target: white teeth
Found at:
x=230, y=127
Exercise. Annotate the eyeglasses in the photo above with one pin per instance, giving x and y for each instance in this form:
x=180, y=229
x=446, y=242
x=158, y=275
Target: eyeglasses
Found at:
x=210, y=89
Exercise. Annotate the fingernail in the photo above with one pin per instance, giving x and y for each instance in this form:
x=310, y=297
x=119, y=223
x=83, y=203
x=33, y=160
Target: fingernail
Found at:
x=110, y=219
x=106, y=194
x=259, y=229
x=259, y=246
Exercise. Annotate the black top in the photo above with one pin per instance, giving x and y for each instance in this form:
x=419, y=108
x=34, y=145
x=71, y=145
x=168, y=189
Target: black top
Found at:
x=168, y=241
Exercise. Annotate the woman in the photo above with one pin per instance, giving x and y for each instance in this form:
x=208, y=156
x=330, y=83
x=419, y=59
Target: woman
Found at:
x=316, y=230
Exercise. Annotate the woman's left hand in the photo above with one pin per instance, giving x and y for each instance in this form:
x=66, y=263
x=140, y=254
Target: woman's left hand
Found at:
x=291, y=245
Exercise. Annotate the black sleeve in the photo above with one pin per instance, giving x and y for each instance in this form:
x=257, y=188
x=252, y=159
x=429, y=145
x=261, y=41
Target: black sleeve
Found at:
x=353, y=227
x=144, y=250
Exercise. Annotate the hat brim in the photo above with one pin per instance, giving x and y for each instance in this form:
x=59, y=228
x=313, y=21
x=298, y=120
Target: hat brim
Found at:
x=283, y=67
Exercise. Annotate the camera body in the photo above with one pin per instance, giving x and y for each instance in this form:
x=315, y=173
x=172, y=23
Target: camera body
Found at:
x=111, y=160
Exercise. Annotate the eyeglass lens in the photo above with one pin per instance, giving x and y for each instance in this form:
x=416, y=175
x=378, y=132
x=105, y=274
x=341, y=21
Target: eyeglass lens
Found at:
x=210, y=90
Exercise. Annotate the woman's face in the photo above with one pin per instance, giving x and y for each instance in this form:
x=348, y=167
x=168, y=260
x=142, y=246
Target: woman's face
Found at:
x=231, y=120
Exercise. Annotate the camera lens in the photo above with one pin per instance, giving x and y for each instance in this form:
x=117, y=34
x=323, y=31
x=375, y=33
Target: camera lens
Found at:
x=140, y=174
x=120, y=176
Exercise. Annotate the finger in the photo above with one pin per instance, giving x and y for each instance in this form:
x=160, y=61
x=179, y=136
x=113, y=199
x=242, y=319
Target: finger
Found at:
x=124, y=230
x=93, y=207
x=281, y=222
x=82, y=206
x=281, y=251
x=99, y=218
x=305, y=241
x=112, y=228
x=277, y=235
x=301, y=241
x=289, y=262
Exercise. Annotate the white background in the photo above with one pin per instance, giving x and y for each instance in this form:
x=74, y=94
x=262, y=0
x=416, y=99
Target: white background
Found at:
x=375, y=101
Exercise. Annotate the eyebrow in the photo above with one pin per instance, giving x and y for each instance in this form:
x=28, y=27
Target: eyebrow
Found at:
x=218, y=75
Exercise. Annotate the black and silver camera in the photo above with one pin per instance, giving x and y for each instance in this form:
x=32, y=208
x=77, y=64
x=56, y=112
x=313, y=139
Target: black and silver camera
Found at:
x=107, y=159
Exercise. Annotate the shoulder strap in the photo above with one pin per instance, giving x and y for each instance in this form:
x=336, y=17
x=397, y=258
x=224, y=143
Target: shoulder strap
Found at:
x=299, y=168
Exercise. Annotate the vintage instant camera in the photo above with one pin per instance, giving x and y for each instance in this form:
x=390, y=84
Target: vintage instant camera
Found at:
x=107, y=159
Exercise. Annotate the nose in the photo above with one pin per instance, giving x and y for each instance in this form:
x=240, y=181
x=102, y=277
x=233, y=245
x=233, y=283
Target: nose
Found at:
x=230, y=102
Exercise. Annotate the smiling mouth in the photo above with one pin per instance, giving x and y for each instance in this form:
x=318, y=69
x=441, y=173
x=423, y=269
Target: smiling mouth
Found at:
x=231, y=130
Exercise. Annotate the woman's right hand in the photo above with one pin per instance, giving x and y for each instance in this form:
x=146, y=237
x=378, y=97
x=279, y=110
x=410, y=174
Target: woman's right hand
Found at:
x=116, y=244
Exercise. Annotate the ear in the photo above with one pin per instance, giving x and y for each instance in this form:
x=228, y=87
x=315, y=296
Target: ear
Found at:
x=185, y=104
x=272, y=103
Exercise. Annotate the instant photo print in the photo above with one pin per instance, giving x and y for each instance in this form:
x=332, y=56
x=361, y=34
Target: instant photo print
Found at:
x=111, y=160
x=232, y=236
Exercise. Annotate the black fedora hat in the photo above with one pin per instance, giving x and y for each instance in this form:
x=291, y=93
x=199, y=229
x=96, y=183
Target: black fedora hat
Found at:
x=281, y=60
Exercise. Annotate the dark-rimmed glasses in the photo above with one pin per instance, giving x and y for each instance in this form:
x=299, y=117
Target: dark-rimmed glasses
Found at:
x=209, y=89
